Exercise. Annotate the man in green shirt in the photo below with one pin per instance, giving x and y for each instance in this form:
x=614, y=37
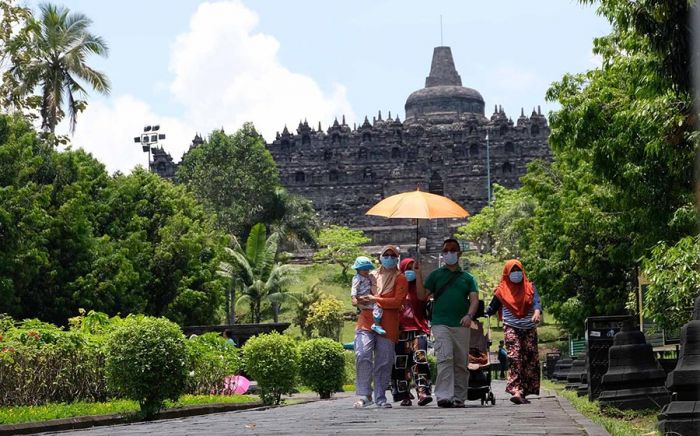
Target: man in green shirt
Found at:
x=456, y=301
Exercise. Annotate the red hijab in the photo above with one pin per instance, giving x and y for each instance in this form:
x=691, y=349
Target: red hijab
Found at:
x=412, y=314
x=517, y=297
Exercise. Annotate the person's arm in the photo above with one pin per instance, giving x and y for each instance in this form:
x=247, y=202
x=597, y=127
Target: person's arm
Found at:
x=395, y=301
x=537, y=303
x=422, y=288
x=493, y=306
x=354, y=300
x=466, y=321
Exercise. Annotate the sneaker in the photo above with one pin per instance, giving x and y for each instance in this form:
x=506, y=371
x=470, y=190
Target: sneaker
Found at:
x=362, y=403
x=378, y=329
x=446, y=404
x=383, y=405
x=424, y=399
x=458, y=404
x=406, y=403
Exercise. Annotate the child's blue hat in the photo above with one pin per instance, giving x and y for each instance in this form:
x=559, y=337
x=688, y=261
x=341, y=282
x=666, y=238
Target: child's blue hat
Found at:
x=362, y=263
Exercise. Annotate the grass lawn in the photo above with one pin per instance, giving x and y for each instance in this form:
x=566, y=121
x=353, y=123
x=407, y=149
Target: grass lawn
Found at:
x=616, y=422
x=21, y=414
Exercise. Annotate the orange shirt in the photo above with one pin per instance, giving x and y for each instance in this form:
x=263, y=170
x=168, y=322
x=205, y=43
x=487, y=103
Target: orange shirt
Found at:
x=391, y=302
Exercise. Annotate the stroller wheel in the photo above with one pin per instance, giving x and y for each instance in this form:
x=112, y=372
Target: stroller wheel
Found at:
x=483, y=401
x=492, y=398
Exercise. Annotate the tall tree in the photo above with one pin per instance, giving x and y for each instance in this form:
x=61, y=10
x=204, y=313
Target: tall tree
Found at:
x=53, y=52
x=340, y=245
x=293, y=217
x=233, y=175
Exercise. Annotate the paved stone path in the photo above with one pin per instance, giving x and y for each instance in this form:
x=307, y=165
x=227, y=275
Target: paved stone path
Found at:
x=546, y=415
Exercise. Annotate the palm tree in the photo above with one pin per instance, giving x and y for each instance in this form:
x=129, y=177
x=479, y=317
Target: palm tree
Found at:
x=294, y=218
x=256, y=274
x=56, y=46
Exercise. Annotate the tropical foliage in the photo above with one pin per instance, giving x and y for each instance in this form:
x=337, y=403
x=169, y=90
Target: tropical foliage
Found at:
x=49, y=54
x=73, y=237
x=255, y=273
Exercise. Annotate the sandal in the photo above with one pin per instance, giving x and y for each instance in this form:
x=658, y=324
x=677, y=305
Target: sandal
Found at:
x=383, y=406
x=447, y=404
x=458, y=404
x=517, y=399
x=407, y=403
x=424, y=399
x=362, y=403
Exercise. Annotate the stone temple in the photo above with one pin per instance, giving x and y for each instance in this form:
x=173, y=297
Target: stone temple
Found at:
x=440, y=147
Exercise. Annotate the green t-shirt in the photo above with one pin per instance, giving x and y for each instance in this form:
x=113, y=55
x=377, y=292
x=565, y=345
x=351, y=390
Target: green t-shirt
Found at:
x=453, y=303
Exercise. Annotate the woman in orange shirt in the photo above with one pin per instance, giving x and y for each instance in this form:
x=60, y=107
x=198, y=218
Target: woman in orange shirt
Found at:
x=374, y=353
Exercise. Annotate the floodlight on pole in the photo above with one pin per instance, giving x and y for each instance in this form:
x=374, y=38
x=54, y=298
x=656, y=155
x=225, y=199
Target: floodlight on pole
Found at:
x=148, y=139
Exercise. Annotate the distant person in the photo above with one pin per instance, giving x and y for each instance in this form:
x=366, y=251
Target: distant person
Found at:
x=411, y=361
x=374, y=353
x=502, y=359
x=228, y=335
x=456, y=301
x=518, y=304
x=362, y=286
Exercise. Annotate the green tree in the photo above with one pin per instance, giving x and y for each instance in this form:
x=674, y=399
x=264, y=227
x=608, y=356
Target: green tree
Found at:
x=340, y=245
x=293, y=217
x=256, y=274
x=326, y=317
x=674, y=276
x=51, y=55
x=233, y=175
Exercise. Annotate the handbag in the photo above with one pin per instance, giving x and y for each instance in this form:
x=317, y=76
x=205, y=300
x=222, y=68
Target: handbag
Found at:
x=431, y=303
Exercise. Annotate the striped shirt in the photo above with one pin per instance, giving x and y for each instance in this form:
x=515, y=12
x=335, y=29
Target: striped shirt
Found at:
x=525, y=322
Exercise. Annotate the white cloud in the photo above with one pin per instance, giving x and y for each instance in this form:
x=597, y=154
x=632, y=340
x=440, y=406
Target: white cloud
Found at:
x=224, y=74
x=107, y=129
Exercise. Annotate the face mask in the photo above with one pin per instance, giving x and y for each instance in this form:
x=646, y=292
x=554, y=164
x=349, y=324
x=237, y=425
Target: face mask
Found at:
x=516, y=276
x=450, y=258
x=389, y=262
x=410, y=275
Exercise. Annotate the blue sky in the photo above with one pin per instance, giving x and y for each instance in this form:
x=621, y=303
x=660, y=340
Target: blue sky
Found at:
x=194, y=66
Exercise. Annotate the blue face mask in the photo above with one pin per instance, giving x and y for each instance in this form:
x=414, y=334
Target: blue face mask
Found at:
x=451, y=257
x=388, y=261
x=410, y=275
x=516, y=276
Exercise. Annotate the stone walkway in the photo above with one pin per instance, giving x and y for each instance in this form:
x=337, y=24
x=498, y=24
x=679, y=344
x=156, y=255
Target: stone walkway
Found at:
x=546, y=415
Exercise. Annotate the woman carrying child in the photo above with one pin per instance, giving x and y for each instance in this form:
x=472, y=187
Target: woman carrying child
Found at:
x=374, y=352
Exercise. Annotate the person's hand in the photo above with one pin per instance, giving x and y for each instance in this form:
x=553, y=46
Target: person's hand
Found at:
x=417, y=269
x=366, y=299
x=537, y=317
x=466, y=321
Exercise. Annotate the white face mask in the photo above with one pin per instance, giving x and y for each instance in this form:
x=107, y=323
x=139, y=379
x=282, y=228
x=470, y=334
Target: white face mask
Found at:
x=450, y=257
x=516, y=276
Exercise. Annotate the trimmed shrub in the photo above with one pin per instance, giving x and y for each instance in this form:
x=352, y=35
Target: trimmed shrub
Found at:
x=211, y=359
x=41, y=363
x=432, y=362
x=326, y=316
x=273, y=361
x=147, y=362
x=322, y=366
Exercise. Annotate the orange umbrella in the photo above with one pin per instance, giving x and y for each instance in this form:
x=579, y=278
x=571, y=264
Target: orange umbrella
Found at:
x=419, y=205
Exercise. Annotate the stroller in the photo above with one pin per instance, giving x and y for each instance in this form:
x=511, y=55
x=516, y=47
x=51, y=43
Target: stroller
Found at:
x=478, y=365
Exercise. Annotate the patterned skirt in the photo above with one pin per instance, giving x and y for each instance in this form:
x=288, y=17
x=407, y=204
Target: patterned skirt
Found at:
x=524, y=376
x=410, y=364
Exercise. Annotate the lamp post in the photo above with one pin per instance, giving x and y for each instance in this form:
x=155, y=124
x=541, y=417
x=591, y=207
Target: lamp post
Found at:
x=148, y=138
x=488, y=165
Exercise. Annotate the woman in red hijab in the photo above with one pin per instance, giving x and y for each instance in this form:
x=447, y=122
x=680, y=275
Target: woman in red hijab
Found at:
x=518, y=304
x=411, y=361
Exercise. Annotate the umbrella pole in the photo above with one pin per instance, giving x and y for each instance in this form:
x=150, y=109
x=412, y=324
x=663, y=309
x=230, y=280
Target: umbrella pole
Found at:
x=417, y=242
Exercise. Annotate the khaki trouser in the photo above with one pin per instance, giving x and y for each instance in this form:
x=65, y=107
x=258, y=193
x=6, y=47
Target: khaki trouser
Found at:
x=451, y=352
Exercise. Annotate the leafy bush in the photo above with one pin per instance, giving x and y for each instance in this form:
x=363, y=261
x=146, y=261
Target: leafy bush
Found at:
x=211, y=359
x=322, y=366
x=273, y=361
x=432, y=362
x=41, y=363
x=147, y=362
x=326, y=316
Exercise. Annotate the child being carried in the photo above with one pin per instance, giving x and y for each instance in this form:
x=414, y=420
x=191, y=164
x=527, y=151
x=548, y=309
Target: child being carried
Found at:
x=361, y=286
